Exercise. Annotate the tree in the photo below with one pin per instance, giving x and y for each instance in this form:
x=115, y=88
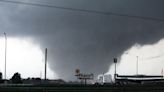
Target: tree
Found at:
x=16, y=78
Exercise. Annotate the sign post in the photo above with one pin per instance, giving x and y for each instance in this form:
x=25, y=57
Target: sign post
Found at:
x=83, y=77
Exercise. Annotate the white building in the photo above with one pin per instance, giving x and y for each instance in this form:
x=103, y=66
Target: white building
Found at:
x=100, y=79
x=104, y=78
x=107, y=78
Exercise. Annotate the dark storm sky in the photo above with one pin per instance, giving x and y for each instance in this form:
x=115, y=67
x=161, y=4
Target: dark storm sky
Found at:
x=85, y=40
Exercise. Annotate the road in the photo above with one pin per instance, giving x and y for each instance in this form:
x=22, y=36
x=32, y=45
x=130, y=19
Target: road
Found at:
x=73, y=88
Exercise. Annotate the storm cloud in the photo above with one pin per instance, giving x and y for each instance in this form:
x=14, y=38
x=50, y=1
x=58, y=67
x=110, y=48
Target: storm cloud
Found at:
x=84, y=40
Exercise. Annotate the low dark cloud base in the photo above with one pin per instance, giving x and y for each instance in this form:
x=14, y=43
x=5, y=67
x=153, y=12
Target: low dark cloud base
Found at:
x=80, y=40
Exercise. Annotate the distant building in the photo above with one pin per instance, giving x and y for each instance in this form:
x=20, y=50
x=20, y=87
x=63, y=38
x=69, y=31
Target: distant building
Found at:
x=104, y=78
x=100, y=79
x=107, y=78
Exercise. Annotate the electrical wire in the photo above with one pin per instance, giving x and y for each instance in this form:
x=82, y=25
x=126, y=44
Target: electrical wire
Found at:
x=83, y=10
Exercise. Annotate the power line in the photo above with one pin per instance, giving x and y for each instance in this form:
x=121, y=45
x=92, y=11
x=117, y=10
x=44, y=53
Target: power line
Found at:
x=83, y=10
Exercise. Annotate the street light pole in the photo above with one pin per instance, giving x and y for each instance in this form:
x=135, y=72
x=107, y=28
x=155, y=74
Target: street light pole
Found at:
x=5, y=52
x=115, y=74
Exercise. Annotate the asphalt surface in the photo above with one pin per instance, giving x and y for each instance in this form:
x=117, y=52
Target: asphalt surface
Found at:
x=81, y=88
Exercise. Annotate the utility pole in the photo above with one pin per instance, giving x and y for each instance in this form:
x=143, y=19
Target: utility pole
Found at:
x=137, y=66
x=5, y=52
x=45, y=64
